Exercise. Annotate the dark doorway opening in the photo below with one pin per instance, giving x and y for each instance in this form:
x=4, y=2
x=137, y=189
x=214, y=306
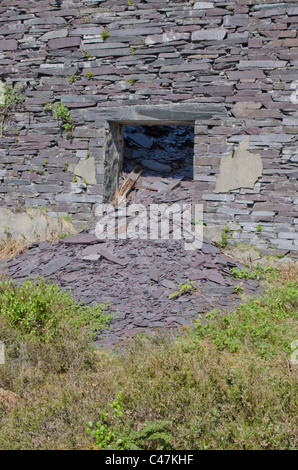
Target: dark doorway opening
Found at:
x=159, y=151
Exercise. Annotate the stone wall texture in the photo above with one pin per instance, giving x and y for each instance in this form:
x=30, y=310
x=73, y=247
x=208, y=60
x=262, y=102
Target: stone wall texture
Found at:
x=228, y=67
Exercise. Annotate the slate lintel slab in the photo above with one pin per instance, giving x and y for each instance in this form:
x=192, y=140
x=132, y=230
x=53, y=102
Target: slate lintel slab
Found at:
x=187, y=113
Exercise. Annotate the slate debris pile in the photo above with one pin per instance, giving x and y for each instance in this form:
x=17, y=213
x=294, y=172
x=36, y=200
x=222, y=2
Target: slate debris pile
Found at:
x=136, y=277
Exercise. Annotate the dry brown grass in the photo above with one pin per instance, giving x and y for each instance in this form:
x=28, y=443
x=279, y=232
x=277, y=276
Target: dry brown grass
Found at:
x=12, y=248
x=288, y=272
x=8, y=398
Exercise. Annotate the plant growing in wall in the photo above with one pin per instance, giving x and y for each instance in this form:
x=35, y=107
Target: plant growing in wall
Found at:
x=62, y=114
x=89, y=75
x=12, y=98
x=88, y=56
x=47, y=107
x=226, y=235
x=132, y=81
x=105, y=34
x=66, y=166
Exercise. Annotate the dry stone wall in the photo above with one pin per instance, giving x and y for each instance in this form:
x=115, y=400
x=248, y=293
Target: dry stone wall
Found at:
x=227, y=67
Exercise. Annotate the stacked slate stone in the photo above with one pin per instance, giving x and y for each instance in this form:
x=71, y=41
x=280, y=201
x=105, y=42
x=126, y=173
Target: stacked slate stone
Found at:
x=106, y=60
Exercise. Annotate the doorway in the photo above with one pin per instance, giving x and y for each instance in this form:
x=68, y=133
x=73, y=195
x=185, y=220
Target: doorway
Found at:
x=160, y=152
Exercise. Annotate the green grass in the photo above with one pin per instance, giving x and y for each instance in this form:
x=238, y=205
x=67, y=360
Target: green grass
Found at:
x=227, y=384
x=40, y=311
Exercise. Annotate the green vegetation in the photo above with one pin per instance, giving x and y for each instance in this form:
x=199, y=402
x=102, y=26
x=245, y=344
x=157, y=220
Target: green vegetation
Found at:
x=89, y=75
x=243, y=273
x=41, y=311
x=238, y=289
x=184, y=288
x=225, y=236
x=12, y=98
x=67, y=218
x=131, y=81
x=229, y=383
x=66, y=166
x=105, y=34
x=88, y=56
x=257, y=272
x=47, y=107
x=62, y=114
x=226, y=384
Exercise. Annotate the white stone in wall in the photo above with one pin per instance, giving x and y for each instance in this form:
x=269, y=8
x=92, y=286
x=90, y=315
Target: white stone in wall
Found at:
x=203, y=5
x=239, y=169
x=86, y=170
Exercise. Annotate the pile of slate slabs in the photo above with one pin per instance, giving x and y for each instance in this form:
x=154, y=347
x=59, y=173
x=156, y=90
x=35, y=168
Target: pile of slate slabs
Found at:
x=138, y=276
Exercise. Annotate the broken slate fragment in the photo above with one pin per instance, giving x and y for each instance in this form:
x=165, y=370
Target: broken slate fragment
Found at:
x=156, y=166
x=80, y=239
x=110, y=257
x=168, y=284
x=94, y=249
x=93, y=257
x=153, y=274
x=142, y=140
x=55, y=265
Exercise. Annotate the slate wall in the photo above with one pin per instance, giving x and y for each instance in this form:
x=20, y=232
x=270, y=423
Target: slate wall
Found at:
x=239, y=56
